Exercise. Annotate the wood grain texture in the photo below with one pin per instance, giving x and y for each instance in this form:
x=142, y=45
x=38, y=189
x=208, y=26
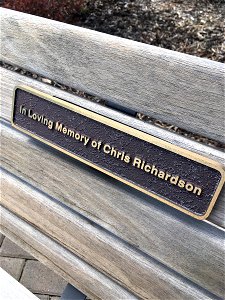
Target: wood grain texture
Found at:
x=139, y=274
x=184, y=90
x=155, y=229
x=11, y=289
x=75, y=270
x=11, y=79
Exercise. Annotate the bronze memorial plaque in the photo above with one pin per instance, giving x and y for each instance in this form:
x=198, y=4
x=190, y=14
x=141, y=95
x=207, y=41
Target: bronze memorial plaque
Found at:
x=185, y=180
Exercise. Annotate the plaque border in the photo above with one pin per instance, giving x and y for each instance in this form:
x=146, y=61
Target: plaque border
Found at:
x=131, y=131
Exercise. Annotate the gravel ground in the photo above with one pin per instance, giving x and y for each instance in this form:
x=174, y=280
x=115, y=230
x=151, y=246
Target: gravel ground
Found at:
x=194, y=27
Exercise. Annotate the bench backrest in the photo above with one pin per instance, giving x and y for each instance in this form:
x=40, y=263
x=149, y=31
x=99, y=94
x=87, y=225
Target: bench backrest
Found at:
x=79, y=221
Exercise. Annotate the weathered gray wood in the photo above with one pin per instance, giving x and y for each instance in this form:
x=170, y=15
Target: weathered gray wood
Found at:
x=139, y=274
x=75, y=270
x=11, y=289
x=11, y=79
x=163, y=233
x=184, y=90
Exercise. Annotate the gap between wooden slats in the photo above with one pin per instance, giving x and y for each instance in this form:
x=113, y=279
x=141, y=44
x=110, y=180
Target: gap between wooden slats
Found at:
x=75, y=270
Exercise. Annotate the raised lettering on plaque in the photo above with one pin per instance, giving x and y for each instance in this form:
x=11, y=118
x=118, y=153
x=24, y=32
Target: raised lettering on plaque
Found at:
x=184, y=180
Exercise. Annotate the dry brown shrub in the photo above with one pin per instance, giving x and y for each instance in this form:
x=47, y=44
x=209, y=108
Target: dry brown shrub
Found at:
x=60, y=10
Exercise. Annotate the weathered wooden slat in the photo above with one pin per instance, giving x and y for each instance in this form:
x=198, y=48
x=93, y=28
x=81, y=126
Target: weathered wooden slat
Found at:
x=11, y=79
x=75, y=270
x=184, y=90
x=163, y=233
x=137, y=273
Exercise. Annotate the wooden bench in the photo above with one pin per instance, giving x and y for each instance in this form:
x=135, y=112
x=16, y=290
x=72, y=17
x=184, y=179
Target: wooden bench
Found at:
x=108, y=239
